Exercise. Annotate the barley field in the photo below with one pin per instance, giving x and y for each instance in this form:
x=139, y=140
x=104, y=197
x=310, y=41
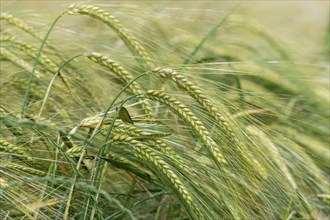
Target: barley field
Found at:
x=164, y=110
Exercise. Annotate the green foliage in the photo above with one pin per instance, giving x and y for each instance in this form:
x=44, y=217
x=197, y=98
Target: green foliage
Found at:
x=143, y=123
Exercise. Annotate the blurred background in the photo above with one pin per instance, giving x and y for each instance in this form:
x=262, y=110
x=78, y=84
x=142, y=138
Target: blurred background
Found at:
x=301, y=24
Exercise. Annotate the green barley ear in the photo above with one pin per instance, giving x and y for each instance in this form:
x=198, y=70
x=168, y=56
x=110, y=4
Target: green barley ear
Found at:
x=18, y=23
x=31, y=51
x=139, y=132
x=74, y=152
x=258, y=29
x=11, y=166
x=48, y=64
x=26, y=28
x=16, y=151
x=261, y=75
x=143, y=152
x=170, y=153
x=197, y=93
x=273, y=151
x=131, y=42
x=7, y=55
x=191, y=119
x=124, y=75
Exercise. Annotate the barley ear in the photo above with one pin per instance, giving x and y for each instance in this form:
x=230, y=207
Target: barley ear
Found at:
x=135, y=47
x=143, y=152
x=13, y=167
x=191, y=119
x=124, y=75
x=7, y=55
x=18, y=152
x=18, y=23
x=197, y=93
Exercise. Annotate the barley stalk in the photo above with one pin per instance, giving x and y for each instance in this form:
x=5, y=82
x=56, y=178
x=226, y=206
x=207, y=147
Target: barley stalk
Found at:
x=36, y=92
x=93, y=121
x=197, y=93
x=44, y=60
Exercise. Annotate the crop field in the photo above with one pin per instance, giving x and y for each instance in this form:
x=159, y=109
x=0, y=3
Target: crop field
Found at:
x=161, y=110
